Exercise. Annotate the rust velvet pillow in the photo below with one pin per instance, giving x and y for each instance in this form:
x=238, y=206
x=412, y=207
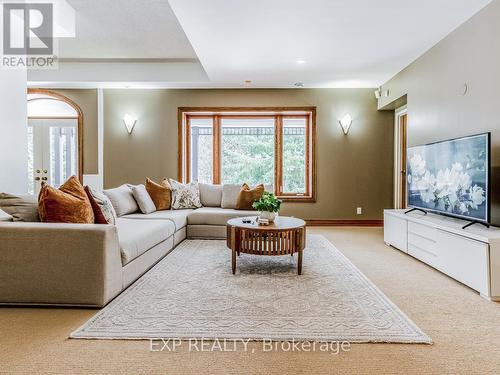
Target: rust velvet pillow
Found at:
x=68, y=204
x=247, y=196
x=161, y=194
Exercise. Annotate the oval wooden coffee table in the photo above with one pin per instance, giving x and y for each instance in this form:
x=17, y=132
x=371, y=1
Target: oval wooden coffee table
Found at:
x=286, y=236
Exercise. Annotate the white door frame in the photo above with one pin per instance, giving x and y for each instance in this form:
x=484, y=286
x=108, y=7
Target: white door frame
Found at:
x=41, y=147
x=397, y=155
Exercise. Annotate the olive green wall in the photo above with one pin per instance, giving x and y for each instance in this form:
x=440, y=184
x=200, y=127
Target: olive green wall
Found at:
x=352, y=171
x=437, y=108
x=86, y=99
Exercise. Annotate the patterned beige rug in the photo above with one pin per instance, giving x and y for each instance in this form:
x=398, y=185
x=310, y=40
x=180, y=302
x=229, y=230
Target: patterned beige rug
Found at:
x=192, y=294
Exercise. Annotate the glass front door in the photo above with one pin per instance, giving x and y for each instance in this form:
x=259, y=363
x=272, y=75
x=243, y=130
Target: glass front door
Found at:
x=52, y=152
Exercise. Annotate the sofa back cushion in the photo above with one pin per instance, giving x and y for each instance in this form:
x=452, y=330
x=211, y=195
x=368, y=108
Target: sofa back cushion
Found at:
x=247, y=196
x=210, y=195
x=230, y=195
x=68, y=204
x=143, y=199
x=20, y=207
x=122, y=200
x=161, y=193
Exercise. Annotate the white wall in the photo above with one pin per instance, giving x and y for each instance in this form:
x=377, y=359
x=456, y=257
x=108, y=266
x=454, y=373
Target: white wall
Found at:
x=13, y=131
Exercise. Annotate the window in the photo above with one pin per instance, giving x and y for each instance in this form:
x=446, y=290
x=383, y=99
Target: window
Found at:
x=232, y=146
x=247, y=150
x=54, y=139
x=201, y=147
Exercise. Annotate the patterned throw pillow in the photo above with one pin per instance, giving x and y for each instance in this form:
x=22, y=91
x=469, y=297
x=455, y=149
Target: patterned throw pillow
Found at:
x=101, y=205
x=185, y=195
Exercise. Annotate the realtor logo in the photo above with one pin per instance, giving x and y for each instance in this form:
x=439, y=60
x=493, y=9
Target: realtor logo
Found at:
x=28, y=29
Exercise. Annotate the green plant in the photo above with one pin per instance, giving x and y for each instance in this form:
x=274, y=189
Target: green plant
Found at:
x=268, y=202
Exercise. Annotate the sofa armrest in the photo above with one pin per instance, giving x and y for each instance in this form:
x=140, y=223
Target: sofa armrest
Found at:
x=60, y=264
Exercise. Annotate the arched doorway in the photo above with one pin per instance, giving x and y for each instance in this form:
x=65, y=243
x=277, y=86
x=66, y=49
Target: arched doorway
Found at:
x=55, y=139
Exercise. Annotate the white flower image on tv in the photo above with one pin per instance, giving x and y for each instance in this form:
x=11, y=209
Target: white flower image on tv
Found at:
x=450, y=189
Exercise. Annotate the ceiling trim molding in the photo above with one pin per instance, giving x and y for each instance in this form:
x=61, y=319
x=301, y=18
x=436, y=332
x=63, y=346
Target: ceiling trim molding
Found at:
x=75, y=60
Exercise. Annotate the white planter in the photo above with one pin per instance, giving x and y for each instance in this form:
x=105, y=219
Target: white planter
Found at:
x=268, y=215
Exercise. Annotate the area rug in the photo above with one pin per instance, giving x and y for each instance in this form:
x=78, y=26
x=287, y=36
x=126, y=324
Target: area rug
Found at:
x=192, y=294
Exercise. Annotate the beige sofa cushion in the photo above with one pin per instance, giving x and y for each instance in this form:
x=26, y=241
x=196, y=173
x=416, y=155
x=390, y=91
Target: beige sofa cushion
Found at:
x=20, y=207
x=210, y=195
x=138, y=236
x=216, y=215
x=207, y=231
x=178, y=217
x=122, y=200
x=230, y=194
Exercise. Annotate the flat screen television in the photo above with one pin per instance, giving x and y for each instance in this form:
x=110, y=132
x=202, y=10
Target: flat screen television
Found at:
x=451, y=177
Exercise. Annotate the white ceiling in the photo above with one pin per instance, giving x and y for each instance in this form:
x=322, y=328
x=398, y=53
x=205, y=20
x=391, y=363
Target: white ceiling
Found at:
x=344, y=43
x=125, y=29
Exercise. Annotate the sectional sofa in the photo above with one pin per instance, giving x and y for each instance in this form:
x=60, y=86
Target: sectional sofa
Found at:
x=90, y=264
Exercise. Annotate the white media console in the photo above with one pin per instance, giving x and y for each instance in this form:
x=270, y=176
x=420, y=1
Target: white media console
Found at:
x=471, y=256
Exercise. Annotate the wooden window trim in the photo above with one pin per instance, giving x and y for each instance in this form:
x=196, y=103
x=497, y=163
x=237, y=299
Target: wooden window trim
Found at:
x=278, y=113
x=216, y=150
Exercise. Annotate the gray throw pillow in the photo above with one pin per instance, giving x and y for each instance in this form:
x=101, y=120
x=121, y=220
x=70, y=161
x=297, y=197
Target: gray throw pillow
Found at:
x=210, y=195
x=143, y=199
x=122, y=200
x=20, y=207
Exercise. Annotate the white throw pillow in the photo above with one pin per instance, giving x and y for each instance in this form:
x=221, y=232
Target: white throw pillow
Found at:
x=143, y=199
x=122, y=200
x=185, y=195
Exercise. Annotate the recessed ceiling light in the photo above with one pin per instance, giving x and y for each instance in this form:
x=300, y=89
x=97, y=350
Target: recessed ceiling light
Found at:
x=298, y=84
x=300, y=62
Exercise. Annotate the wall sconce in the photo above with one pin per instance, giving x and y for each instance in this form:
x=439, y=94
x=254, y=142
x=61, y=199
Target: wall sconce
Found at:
x=129, y=123
x=378, y=93
x=345, y=122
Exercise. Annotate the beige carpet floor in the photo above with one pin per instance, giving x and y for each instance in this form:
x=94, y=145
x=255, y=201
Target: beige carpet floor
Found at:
x=464, y=327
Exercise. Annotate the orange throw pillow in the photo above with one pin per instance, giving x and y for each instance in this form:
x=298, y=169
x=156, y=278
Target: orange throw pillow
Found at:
x=68, y=204
x=161, y=193
x=247, y=196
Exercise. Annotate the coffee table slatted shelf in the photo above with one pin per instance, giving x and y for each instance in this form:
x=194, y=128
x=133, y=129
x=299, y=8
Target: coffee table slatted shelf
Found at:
x=286, y=236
